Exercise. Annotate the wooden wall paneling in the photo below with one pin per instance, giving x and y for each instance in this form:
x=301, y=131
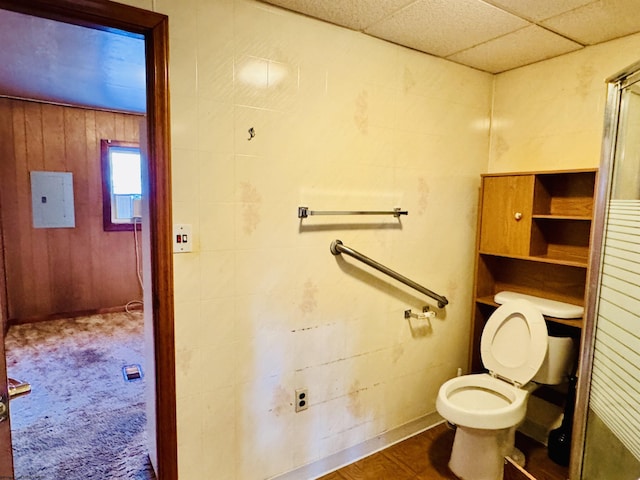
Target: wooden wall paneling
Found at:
x=31, y=273
x=94, y=200
x=58, y=239
x=33, y=131
x=119, y=247
x=63, y=269
x=11, y=129
x=35, y=273
x=105, y=128
x=76, y=158
x=4, y=312
x=119, y=128
x=7, y=201
x=53, y=138
x=105, y=125
x=126, y=128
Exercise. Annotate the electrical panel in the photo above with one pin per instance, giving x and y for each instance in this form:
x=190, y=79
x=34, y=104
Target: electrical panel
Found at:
x=52, y=200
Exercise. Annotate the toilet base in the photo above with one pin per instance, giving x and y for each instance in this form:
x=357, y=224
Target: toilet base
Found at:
x=478, y=454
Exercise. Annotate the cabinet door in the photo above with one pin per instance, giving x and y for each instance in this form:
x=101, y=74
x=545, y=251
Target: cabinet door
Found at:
x=507, y=204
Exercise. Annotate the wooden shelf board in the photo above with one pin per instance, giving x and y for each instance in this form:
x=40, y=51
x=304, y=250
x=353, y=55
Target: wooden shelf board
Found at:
x=579, y=263
x=487, y=301
x=581, y=218
x=572, y=322
x=576, y=261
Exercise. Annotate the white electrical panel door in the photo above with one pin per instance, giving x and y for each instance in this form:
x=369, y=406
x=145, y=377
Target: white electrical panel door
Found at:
x=52, y=200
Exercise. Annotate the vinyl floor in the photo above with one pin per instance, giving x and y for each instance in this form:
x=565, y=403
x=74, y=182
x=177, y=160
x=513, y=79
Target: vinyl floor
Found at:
x=425, y=457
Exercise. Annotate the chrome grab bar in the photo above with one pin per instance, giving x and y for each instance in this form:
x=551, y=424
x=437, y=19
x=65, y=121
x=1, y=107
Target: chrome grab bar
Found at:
x=337, y=247
x=304, y=212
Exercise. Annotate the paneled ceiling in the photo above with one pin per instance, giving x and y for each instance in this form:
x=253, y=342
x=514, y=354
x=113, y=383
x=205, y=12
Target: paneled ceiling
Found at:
x=490, y=35
x=47, y=60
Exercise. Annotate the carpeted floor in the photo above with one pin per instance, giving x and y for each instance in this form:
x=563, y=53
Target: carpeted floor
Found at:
x=82, y=419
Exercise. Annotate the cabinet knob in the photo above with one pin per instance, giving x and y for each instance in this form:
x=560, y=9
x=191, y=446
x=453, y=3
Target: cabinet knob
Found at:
x=517, y=216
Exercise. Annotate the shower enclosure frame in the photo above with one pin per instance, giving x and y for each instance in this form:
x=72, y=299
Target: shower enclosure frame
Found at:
x=615, y=87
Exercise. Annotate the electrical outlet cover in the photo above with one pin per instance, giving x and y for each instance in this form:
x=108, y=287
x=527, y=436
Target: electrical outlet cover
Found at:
x=302, y=399
x=182, y=238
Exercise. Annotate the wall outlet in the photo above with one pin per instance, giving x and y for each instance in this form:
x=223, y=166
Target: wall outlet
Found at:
x=302, y=399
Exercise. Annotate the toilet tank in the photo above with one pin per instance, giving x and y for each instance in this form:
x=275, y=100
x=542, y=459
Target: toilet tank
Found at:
x=558, y=362
x=561, y=349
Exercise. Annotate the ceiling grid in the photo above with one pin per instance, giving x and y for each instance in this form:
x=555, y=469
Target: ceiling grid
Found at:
x=489, y=35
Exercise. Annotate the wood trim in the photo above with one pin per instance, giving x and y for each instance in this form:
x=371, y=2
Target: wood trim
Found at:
x=536, y=172
x=162, y=247
x=108, y=15
x=4, y=298
x=4, y=305
x=99, y=14
x=6, y=453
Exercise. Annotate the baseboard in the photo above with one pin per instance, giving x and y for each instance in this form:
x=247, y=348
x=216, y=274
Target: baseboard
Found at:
x=81, y=313
x=352, y=454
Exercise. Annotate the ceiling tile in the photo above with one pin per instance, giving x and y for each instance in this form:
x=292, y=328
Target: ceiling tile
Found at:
x=540, y=9
x=354, y=14
x=598, y=21
x=442, y=27
x=528, y=45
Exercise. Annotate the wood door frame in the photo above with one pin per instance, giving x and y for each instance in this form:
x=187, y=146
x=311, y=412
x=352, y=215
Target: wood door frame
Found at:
x=106, y=15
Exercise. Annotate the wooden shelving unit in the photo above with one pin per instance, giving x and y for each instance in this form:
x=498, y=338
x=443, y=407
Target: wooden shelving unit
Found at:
x=534, y=237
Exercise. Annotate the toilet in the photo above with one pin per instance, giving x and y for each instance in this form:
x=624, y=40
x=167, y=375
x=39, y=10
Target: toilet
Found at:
x=487, y=407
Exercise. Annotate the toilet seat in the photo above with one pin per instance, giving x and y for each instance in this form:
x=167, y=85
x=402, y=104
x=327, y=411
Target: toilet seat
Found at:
x=481, y=401
x=514, y=342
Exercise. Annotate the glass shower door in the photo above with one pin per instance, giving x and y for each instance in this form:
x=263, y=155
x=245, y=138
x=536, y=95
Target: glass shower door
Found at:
x=612, y=435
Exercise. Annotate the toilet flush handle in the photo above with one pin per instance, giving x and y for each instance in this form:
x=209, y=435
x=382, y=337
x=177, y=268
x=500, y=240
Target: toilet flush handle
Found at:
x=517, y=216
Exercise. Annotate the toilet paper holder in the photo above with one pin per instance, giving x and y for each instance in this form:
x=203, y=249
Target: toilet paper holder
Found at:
x=426, y=314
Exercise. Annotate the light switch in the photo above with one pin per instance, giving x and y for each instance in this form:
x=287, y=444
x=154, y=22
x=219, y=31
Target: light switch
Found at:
x=182, y=238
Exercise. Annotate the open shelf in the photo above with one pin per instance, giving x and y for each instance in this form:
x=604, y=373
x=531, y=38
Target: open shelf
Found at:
x=540, y=279
x=534, y=238
x=562, y=240
x=564, y=194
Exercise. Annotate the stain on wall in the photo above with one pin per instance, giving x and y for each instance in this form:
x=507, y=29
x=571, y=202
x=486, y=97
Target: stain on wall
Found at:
x=309, y=302
x=361, y=115
x=251, y=207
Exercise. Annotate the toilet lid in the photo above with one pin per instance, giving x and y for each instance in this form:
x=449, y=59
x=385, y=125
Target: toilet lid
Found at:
x=514, y=341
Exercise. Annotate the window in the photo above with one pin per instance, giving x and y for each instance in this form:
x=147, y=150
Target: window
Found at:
x=121, y=185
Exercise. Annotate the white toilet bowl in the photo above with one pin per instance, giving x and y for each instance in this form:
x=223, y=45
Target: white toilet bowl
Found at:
x=486, y=408
x=482, y=401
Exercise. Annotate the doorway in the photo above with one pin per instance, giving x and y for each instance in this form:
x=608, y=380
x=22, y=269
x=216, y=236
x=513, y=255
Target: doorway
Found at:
x=104, y=15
